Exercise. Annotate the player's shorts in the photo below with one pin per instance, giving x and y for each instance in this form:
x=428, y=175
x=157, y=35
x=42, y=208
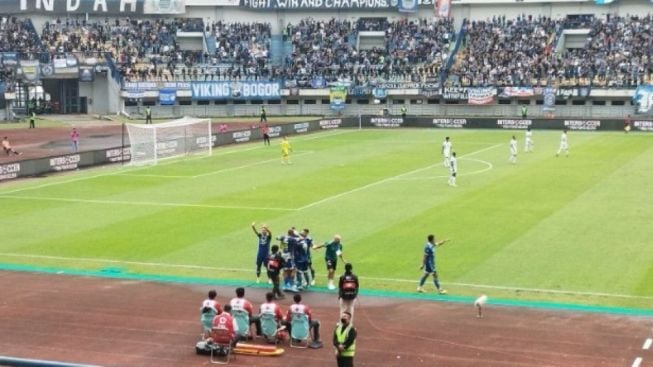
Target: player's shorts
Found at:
x=564, y=146
x=262, y=258
x=453, y=174
x=302, y=266
x=289, y=264
x=331, y=264
x=429, y=268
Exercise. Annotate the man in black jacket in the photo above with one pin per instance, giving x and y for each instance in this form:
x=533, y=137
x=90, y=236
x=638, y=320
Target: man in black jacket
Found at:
x=348, y=291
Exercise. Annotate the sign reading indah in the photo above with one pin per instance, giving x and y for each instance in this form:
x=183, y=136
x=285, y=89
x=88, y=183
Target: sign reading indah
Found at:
x=94, y=6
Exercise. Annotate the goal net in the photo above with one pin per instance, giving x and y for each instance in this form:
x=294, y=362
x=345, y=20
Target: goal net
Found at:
x=151, y=143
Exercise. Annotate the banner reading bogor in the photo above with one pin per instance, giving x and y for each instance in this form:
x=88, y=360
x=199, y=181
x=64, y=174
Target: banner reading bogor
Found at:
x=209, y=91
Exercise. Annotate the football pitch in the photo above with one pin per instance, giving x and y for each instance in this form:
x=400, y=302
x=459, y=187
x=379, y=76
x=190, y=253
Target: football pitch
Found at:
x=572, y=230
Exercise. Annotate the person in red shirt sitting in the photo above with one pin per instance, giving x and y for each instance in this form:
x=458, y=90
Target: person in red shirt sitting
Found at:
x=224, y=329
x=270, y=311
x=314, y=324
x=241, y=304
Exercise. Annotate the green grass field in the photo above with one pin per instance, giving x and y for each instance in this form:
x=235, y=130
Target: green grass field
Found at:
x=571, y=229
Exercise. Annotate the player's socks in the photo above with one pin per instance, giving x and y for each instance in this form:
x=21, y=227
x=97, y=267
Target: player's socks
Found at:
x=437, y=284
x=423, y=280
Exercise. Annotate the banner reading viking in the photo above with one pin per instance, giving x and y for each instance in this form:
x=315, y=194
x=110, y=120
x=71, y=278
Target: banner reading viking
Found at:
x=94, y=7
x=481, y=95
x=209, y=91
x=315, y=4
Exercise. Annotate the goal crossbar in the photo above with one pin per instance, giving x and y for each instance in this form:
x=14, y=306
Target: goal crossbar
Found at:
x=151, y=143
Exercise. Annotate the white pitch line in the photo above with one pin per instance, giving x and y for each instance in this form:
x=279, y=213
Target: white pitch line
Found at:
x=242, y=270
x=647, y=344
x=130, y=168
x=488, y=167
x=247, y=165
x=142, y=203
x=376, y=183
x=150, y=175
x=637, y=362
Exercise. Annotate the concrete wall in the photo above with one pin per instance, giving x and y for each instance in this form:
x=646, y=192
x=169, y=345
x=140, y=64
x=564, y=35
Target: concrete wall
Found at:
x=98, y=95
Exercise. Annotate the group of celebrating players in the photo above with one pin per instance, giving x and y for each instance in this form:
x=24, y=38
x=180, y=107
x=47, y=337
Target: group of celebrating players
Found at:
x=291, y=259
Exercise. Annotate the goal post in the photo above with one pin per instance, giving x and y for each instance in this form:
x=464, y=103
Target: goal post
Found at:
x=151, y=143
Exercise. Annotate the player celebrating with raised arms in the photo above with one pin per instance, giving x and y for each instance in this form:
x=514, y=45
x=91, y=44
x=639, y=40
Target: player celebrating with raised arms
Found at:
x=446, y=151
x=264, y=239
x=428, y=264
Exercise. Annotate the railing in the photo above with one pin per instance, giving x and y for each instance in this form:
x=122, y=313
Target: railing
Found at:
x=115, y=73
x=452, y=57
x=436, y=111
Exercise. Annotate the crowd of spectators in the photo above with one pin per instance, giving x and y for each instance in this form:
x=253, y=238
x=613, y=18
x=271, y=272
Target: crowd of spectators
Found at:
x=412, y=50
x=142, y=49
x=501, y=52
x=245, y=44
x=17, y=35
x=618, y=53
x=495, y=52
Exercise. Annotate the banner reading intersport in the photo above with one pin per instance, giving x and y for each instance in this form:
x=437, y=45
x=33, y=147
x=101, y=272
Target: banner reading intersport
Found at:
x=93, y=7
x=210, y=91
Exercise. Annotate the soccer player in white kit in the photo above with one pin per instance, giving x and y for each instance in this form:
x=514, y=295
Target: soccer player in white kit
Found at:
x=513, y=150
x=528, y=142
x=564, y=144
x=453, y=169
x=446, y=151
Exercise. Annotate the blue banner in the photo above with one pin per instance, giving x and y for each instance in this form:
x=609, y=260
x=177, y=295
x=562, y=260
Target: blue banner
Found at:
x=209, y=91
x=9, y=59
x=318, y=82
x=167, y=97
x=643, y=98
x=407, y=6
x=604, y=2
x=379, y=93
x=549, y=99
x=2, y=89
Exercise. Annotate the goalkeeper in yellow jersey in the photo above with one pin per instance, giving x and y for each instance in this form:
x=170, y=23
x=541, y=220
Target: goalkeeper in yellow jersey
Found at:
x=285, y=151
